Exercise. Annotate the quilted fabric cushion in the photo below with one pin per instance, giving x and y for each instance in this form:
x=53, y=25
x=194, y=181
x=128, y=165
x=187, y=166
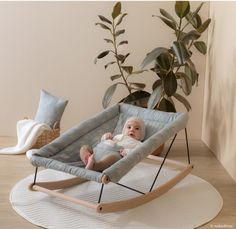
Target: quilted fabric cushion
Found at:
x=50, y=109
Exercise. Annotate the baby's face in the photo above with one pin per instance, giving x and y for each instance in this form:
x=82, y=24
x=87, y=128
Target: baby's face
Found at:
x=133, y=130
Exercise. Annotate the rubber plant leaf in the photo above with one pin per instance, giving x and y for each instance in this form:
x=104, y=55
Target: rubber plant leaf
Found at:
x=167, y=15
x=136, y=96
x=191, y=35
x=151, y=56
x=108, y=95
x=169, y=23
x=183, y=100
x=104, y=19
x=127, y=69
x=204, y=26
x=103, y=26
x=182, y=8
x=164, y=61
x=116, y=10
x=166, y=105
x=200, y=46
x=170, y=84
x=181, y=52
x=101, y=55
x=155, y=97
x=121, y=18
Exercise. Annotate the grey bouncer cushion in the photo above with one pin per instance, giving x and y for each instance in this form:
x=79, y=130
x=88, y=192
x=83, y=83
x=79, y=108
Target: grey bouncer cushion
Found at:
x=63, y=153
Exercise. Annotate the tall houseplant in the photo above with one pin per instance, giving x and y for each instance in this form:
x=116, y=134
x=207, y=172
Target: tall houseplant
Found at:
x=125, y=74
x=174, y=66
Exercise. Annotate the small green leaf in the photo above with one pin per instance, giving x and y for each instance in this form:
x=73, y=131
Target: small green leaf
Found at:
x=198, y=8
x=116, y=10
x=102, y=18
x=204, y=26
x=108, y=40
x=170, y=84
x=182, y=8
x=183, y=100
x=167, y=15
x=137, y=86
x=200, y=46
x=103, y=26
x=101, y=55
x=108, y=95
x=191, y=72
x=150, y=57
x=137, y=97
x=181, y=52
x=155, y=97
x=114, y=77
x=164, y=61
x=108, y=64
x=156, y=84
x=119, y=32
x=166, y=105
x=171, y=24
x=186, y=85
x=120, y=19
x=122, y=43
x=123, y=60
x=127, y=69
x=191, y=35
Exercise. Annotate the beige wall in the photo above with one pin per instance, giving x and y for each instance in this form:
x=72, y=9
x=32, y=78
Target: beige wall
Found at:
x=52, y=45
x=219, y=120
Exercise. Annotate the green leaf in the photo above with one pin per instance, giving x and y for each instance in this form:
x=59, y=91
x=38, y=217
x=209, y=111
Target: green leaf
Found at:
x=198, y=8
x=191, y=72
x=108, y=95
x=108, y=64
x=108, y=40
x=200, y=46
x=119, y=32
x=191, y=35
x=150, y=57
x=101, y=55
x=167, y=15
x=183, y=100
x=156, y=84
x=120, y=19
x=122, y=43
x=124, y=58
x=127, y=69
x=138, y=72
x=181, y=52
x=170, y=23
x=166, y=105
x=102, y=18
x=116, y=10
x=170, y=84
x=182, y=8
x=137, y=97
x=137, y=86
x=155, y=97
x=164, y=61
x=103, y=26
x=186, y=85
x=114, y=77
x=204, y=26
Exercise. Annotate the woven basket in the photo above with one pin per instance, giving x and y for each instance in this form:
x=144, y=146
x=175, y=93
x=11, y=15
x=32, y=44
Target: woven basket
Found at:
x=46, y=137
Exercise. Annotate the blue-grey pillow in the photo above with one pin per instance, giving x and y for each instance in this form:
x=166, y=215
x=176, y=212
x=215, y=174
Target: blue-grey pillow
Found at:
x=50, y=109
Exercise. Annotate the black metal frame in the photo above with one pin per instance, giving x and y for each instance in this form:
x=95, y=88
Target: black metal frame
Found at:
x=158, y=172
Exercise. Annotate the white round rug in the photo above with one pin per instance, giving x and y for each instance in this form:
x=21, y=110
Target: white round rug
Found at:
x=191, y=203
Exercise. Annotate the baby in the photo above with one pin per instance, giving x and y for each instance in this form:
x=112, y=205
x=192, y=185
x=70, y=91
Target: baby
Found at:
x=112, y=148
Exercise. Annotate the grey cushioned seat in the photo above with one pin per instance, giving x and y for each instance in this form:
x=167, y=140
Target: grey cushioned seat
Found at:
x=63, y=153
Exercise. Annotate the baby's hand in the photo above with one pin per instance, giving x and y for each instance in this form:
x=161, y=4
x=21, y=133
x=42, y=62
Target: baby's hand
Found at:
x=122, y=152
x=108, y=136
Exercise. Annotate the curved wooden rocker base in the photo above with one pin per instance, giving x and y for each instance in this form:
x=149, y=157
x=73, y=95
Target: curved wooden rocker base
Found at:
x=48, y=187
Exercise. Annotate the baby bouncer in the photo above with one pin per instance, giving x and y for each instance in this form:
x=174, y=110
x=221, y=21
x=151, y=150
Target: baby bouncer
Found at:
x=62, y=155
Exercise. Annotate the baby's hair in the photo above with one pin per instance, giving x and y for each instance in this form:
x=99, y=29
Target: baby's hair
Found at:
x=141, y=124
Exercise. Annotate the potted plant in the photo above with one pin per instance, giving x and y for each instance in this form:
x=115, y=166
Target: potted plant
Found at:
x=174, y=66
x=124, y=77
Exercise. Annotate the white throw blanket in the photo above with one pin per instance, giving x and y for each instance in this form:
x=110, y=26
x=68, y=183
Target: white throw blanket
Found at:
x=28, y=131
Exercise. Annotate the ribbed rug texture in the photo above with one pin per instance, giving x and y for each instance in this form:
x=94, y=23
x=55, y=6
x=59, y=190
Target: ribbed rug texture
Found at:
x=191, y=203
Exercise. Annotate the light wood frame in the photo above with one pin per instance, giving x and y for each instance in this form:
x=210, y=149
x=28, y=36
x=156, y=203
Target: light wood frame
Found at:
x=184, y=169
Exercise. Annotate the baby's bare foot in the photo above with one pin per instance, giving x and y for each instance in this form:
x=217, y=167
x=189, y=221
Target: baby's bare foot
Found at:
x=90, y=163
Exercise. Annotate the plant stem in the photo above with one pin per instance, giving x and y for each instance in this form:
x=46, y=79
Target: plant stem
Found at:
x=117, y=60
